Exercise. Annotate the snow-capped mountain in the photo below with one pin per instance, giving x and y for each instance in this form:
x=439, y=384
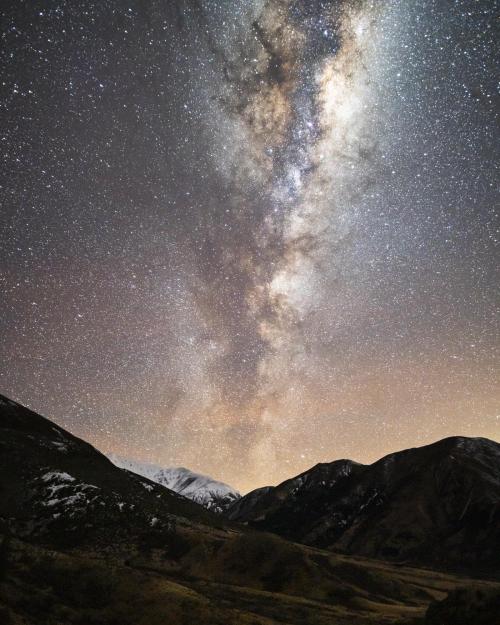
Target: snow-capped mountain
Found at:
x=202, y=489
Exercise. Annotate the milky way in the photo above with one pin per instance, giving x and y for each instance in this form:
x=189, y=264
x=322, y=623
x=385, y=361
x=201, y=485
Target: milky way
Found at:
x=247, y=237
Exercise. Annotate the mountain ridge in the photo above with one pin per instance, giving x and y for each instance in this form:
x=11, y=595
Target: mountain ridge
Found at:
x=435, y=504
x=53, y=484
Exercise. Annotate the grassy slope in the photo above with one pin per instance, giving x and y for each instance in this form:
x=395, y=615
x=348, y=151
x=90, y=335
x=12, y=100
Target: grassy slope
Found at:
x=245, y=579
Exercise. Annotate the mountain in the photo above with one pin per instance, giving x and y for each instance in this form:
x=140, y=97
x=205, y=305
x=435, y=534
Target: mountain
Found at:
x=437, y=505
x=246, y=506
x=204, y=490
x=56, y=487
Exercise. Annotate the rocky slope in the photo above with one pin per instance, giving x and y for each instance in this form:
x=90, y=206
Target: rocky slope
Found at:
x=204, y=490
x=437, y=505
x=56, y=487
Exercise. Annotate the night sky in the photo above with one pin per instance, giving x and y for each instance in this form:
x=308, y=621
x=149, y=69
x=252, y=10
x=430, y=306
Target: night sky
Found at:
x=247, y=236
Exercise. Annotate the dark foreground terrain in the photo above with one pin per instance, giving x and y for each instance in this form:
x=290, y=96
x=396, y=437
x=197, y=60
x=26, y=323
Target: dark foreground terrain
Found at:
x=84, y=542
x=248, y=579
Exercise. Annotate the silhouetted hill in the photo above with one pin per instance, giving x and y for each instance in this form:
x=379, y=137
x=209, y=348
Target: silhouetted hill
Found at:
x=437, y=505
x=56, y=487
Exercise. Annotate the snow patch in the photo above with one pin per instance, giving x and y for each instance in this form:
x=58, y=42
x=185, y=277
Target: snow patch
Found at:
x=66, y=501
x=58, y=476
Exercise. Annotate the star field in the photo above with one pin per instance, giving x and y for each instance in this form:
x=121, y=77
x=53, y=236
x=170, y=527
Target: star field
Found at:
x=247, y=237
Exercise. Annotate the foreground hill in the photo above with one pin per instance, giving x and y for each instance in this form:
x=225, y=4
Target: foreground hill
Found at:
x=204, y=490
x=275, y=583
x=85, y=542
x=56, y=487
x=437, y=505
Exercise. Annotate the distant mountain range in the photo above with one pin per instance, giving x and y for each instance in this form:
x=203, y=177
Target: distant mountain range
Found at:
x=437, y=505
x=204, y=490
